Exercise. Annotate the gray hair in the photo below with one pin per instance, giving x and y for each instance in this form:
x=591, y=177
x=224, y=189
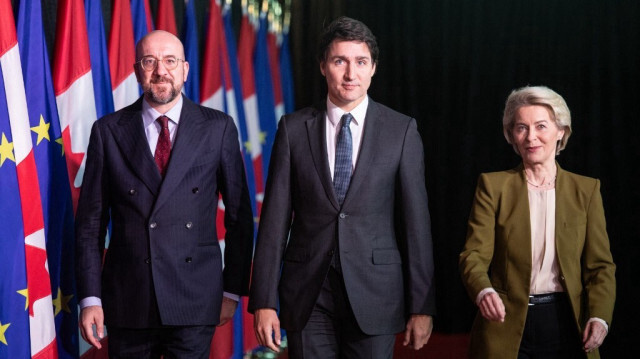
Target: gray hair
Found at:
x=537, y=96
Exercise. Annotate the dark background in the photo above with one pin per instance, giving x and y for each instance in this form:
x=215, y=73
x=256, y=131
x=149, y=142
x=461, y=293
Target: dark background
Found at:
x=451, y=64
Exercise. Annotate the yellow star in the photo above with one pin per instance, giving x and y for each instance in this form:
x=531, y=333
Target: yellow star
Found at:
x=247, y=146
x=62, y=302
x=25, y=292
x=6, y=150
x=59, y=141
x=263, y=137
x=3, y=329
x=42, y=130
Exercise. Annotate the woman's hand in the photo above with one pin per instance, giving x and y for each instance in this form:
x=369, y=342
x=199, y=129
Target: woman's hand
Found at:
x=593, y=336
x=491, y=307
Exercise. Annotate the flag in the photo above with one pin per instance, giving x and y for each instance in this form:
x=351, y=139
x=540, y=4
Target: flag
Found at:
x=191, y=51
x=245, y=339
x=285, y=66
x=52, y=174
x=122, y=56
x=255, y=138
x=211, y=87
x=265, y=91
x=99, y=59
x=13, y=109
x=14, y=315
x=73, y=86
x=274, y=65
x=166, y=17
x=141, y=14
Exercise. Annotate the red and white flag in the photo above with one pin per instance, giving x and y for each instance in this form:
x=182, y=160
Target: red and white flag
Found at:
x=38, y=295
x=73, y=86
x=246, y=49
x=122, y=55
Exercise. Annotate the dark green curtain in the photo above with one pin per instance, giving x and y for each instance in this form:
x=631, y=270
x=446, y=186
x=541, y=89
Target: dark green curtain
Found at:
x=452, y=64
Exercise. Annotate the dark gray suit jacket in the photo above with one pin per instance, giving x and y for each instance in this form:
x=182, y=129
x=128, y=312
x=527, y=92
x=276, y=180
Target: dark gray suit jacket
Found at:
x=383, y=227
x=164, y=264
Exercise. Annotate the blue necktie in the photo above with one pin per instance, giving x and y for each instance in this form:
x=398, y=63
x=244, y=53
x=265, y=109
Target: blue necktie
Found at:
x=343, y=165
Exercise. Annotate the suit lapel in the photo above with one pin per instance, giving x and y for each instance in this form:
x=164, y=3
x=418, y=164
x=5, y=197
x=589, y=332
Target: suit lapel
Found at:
x=185, y=149
x=130, y=137
x=371, y=138
x=316, y=133
x=518, y=194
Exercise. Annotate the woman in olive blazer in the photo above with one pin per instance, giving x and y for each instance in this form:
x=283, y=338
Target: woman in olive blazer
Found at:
x=496, y=263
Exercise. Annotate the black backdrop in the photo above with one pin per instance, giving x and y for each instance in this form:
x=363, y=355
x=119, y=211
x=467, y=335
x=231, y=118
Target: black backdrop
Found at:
x=451, y=64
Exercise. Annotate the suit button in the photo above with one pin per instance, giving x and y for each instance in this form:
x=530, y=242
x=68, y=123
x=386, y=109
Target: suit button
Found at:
x=188, y=259
x=330, y=254
x=153, y=225
x=343, y=216
x=148, y=260
x=132, y=192
x=195, y=190
x=189, y=225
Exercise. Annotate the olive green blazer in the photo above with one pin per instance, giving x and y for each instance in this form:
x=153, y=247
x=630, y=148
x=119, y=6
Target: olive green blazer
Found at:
x=499, y=242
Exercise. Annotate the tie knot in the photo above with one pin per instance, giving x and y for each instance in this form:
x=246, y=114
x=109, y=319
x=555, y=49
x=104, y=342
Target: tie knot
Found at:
x=164, y=121
x=346, y=119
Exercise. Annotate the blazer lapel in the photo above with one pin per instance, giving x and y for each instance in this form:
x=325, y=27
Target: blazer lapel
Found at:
x=185, y=149
x=316, y=133
x=130, y=137
x=518, y=195
x=371, y=138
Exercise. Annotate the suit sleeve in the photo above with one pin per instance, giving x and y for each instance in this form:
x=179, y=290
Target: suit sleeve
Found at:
x=477, y=254
x=92, y=218
x=275, y=222
x=416, y=226
x=598, y=269
x=238, y=217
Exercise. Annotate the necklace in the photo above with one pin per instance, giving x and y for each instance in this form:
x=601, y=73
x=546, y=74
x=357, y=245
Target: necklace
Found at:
x=541, y=184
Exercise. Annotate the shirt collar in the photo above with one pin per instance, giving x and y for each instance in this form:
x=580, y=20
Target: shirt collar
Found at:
x=334, y=113
x=150, y=115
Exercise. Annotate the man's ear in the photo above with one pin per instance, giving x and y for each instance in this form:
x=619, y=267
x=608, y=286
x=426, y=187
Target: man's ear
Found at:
x=322, y=68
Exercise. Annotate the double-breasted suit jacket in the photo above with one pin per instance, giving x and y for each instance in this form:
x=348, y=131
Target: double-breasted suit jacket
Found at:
x=382, y=230
x=164, y=263
x=499, y=242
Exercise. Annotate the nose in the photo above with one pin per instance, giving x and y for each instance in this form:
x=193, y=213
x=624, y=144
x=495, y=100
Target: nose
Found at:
x=348, y=72
x=531, y=134
x=160, y=69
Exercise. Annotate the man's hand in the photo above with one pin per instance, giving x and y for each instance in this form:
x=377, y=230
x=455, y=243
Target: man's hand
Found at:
x=90, y=316
x=227, y=310
x=418, y=331
x=492, y=308
x=267, y=326
x=593, y=336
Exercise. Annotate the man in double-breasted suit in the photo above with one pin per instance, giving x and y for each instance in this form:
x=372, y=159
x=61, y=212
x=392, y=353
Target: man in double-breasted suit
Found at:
x=344, y=245
x=155, y=169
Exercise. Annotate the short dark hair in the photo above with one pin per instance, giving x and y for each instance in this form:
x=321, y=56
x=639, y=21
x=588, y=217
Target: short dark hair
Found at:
x=347, y=29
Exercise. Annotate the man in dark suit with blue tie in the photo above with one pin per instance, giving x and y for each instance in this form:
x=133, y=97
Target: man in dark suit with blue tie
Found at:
x=155, y=169
x=344, y=246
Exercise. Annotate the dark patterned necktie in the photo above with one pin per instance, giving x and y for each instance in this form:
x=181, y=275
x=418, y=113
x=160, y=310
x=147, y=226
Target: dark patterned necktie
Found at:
x=163, y=148
x=343, y=164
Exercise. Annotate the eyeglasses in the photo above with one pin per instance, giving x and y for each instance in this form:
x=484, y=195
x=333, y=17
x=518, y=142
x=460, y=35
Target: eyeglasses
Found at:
x=150, y=63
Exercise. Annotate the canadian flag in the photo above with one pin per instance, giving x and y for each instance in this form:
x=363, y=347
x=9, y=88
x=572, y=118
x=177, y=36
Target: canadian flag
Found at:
x=122, y=56
x=73, y=86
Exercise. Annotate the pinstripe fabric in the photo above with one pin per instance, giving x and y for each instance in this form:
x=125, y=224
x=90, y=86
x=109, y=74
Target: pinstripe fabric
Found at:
x=343, y=166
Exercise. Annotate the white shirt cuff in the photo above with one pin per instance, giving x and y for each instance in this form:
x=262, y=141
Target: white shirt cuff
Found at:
x=482, y=293
x=595, y=319
x=90, y=301
x=231, y=296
